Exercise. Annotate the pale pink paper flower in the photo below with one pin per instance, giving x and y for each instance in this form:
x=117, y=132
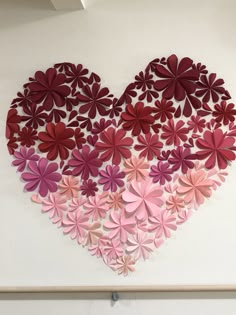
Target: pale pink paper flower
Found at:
x=140, y=245
x=93, y=235
x=124, y=264
x=115, y=200
x=76, y=224
x=55, y=204
x=143, y=198
x=96, y=207
x=69, y=186
x=136, y=168
x=113, y=249
x=77, y=203
x=162, y=224
x=183, y=216
x=175, y=204
x=195, y=187
x=98, y=248
x=120, y=225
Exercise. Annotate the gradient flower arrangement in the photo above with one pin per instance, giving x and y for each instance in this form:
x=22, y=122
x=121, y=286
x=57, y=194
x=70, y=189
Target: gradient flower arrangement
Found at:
x=119, y=175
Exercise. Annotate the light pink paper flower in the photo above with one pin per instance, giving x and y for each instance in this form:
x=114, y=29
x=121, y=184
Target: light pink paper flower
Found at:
x=96, y=207
x=162, y=224
x=43, y=174
x=115, y=200
x=143, y=198
x=120, y=225
x=140, y=245
x=136, y=168
x=175, y=204
x=124, y=264
x=55, y=204
x=77, y=203
x=69, y=186
x=113, y=249
x=23, y=156
x=195, y=187
x=76, y=224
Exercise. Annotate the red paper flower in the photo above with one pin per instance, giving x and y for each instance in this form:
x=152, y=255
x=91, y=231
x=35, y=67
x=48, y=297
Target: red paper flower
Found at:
x=224, y=112
x=27, y=136
x=209, y=87
x=161, y=173
x=57, y=141
x=35, y=116
x=179, y=79
x=196, y=123
x=94, y=99
x=164, y=110
x=181, y=158
x=85, y=162
x=111, y=178
x=150, y=146
x=144, y=81
x=138, y=118
x=89, y=188
x=174, y=134
x=216, y=147
x=77, y=76
x=114, y=145
x=13, y=120
x=23, y=99
x=49, y=88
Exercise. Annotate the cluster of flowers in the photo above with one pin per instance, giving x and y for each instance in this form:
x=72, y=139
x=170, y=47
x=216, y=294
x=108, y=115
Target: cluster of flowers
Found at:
x=136, y=158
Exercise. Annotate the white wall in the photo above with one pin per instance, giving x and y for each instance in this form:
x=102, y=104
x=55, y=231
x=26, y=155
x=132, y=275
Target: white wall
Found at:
x=106, y=38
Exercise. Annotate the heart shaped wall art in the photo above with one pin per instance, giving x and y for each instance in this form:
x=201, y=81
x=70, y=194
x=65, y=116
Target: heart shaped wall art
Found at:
x=120, y=174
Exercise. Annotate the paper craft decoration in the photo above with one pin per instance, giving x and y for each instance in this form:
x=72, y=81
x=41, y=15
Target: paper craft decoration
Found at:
x=119, y=175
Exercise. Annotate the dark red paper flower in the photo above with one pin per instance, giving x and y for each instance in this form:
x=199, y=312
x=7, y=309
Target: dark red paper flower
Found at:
x=216, y=147
x=95, y=99
x=128, y=95
x=210, y=87
x=77, y=76
x=150, y=146
x=178, y=78
x=57, y=141
x=115, y=108
x=23, y=99
x=144, y=81
x=13, y=120
x=49, y=88
x=27, y=136
x=89, y=188
x=12, y=145
x=164, y=110
x=181, y=158
x=174, y=134
x=85, y=162
x=137, y=118
x=56, y=115
x=224, y=112
x=35, y=116
x=196, y=123
x=114, y=145
x=100, y=126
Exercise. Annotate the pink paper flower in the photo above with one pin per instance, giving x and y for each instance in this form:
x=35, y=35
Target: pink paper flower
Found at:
x=162, y=223
x=93, y=235
x=111, y=178
x=55, y=204
x=143, y=199
x=136, y=168
x=150, y=146
x=115, y=200
x=85, y=162
x=114, y=145
x=23, y=156
x=124, y=264
x=196, y=123
x=69, y=187
x=113, y=249
x=216, y=147
x=195, y=187
x=77, y=203
x=76, y=224
x=161, y=173
x=140, y=245
x=175, y=204
x=43, y=174
x=96, y=207
x=120, y=226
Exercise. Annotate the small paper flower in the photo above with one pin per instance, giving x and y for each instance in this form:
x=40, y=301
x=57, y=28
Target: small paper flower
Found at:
x=55, y=204
x=124, y=264
x=162, y=223
x=140, y=245
x=111, y=178
x=69, y=186
x=136, y=168
x=115, y=200
x=96, y=207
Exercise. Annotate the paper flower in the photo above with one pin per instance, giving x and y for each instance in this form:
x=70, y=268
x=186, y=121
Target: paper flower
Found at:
x=164, y=110
x=124, y=265
x=76, y=224
x=49, y=88
x=162, y=224
x=93, y=235
x=23, y=156
x=136, y=168
x=111, y=178
x=115, y=201
x=120, y=225
x=175, y=204
x=85, y=162
x=150, y=146
x=181, y=158
x=174, y=133
x=113, y=249
x=69, y=187
x=141, y=244
x=210, y=88
x=34, y=115
x=43, y=174
x=196, y=123
x=216, y=147
x=137, y=118
x=224, y=112
x=54, y=204
x=161, y=173
x=195, y=187
x=114, y=145
x=27, y=136
x=143, y=199
x=96, y=207
x=89, y=188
